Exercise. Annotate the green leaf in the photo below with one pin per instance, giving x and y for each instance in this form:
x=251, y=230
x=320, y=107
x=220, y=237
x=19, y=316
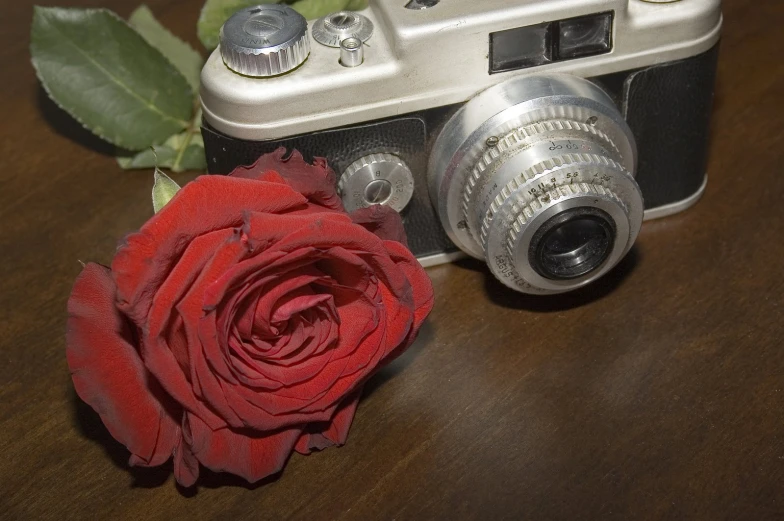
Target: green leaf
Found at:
x=313, y=9
x=103, y=73
x=215, y=12
x=158, y=155
x=163, y=190
x=179, y=53
x=179, y=153
x=356, y=5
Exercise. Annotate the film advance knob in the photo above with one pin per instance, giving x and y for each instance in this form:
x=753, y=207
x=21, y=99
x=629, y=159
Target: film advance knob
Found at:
x=264, y=40
x=376, y=179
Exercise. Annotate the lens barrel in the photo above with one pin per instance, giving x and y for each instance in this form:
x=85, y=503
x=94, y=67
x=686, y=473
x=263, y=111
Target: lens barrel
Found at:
x=536, y=177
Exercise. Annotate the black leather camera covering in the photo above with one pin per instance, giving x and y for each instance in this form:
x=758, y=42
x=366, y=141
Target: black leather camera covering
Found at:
x=404, y=136
x=667, y=106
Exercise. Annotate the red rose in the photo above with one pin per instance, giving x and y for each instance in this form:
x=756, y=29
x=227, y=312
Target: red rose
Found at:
x=241, y=321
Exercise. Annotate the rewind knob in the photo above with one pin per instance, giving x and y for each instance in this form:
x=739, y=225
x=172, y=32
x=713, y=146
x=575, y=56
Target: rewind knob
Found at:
x=264, y=40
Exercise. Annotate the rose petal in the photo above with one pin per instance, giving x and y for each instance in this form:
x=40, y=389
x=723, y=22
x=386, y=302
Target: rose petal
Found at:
x=167, y=350
x=348, y=269
x=316, y=181
x=382, y=221
x=276, y=294
x=331, y=233
x=248, y=454
x=322, y=333
x=421, y=287
x=422, y=296
x=291, y=295
x=295, y=304
x=361, y=322
x=238, y=310
x=371, y=355
x=108, y=373
x=318, y=437
x=398, y=328
x=255, y=407
x=186, y=466
x=271, y=230
x=201, y=206
x=328, y=232
x=209, y=363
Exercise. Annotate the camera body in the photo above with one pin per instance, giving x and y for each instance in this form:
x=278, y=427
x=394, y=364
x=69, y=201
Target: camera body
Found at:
x=421, y=82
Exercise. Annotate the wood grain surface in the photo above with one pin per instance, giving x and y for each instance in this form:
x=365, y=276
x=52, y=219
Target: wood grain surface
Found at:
x=658, y=393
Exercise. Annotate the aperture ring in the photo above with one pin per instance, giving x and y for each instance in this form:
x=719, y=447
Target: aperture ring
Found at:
x=518, y=138
x=552, y=192
x=520, y=135
x=524, y=214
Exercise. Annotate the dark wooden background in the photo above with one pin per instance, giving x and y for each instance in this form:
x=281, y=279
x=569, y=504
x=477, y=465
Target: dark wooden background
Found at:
x=658, y=394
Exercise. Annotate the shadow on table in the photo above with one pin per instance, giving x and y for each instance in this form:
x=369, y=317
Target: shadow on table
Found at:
x=68, y=127
x=499, y=294
x=91, y=427
x=390, y=371
x=210, y=479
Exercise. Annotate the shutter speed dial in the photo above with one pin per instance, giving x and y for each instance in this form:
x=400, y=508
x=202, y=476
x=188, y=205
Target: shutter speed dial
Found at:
x=376, y=179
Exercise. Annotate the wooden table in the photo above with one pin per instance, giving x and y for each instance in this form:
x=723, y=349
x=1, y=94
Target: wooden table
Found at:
x=659, y=394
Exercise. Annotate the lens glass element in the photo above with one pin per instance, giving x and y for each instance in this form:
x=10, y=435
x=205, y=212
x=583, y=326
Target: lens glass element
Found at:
x=572, y=243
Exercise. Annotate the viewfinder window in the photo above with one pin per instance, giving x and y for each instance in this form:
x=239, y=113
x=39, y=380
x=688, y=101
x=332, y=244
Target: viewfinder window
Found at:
x=534, y=45
x=521, y=47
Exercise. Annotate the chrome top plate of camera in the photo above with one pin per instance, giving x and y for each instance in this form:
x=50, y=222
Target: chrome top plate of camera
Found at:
x=336, y=27
x=413, y=56
x=411, y=63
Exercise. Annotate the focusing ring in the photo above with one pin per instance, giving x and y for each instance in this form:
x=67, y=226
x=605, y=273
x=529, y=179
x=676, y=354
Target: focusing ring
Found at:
x=541, y=169
x=514, y=143
x=527, y=212
x=507, y=233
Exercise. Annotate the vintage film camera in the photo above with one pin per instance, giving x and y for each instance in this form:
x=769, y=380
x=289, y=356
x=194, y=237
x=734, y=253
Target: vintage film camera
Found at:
x=524, y=133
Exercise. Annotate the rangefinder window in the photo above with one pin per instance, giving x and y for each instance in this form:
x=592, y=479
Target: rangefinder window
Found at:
x=534, y=45
x=584, y=36
x=520, y=48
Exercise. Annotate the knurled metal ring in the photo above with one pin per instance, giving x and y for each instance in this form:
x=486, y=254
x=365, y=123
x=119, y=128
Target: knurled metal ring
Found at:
x=518, y=137
x=549, y=165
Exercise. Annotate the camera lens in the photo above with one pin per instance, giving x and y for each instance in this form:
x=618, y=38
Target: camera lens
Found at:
x=572, y=243
x=536, y=177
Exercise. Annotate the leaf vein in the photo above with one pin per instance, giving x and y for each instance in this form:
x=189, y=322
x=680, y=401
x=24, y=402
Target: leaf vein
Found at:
x=117, y=81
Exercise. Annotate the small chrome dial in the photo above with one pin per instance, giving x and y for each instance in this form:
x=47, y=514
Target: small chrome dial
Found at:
x=336, y=27
x=376, y=179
